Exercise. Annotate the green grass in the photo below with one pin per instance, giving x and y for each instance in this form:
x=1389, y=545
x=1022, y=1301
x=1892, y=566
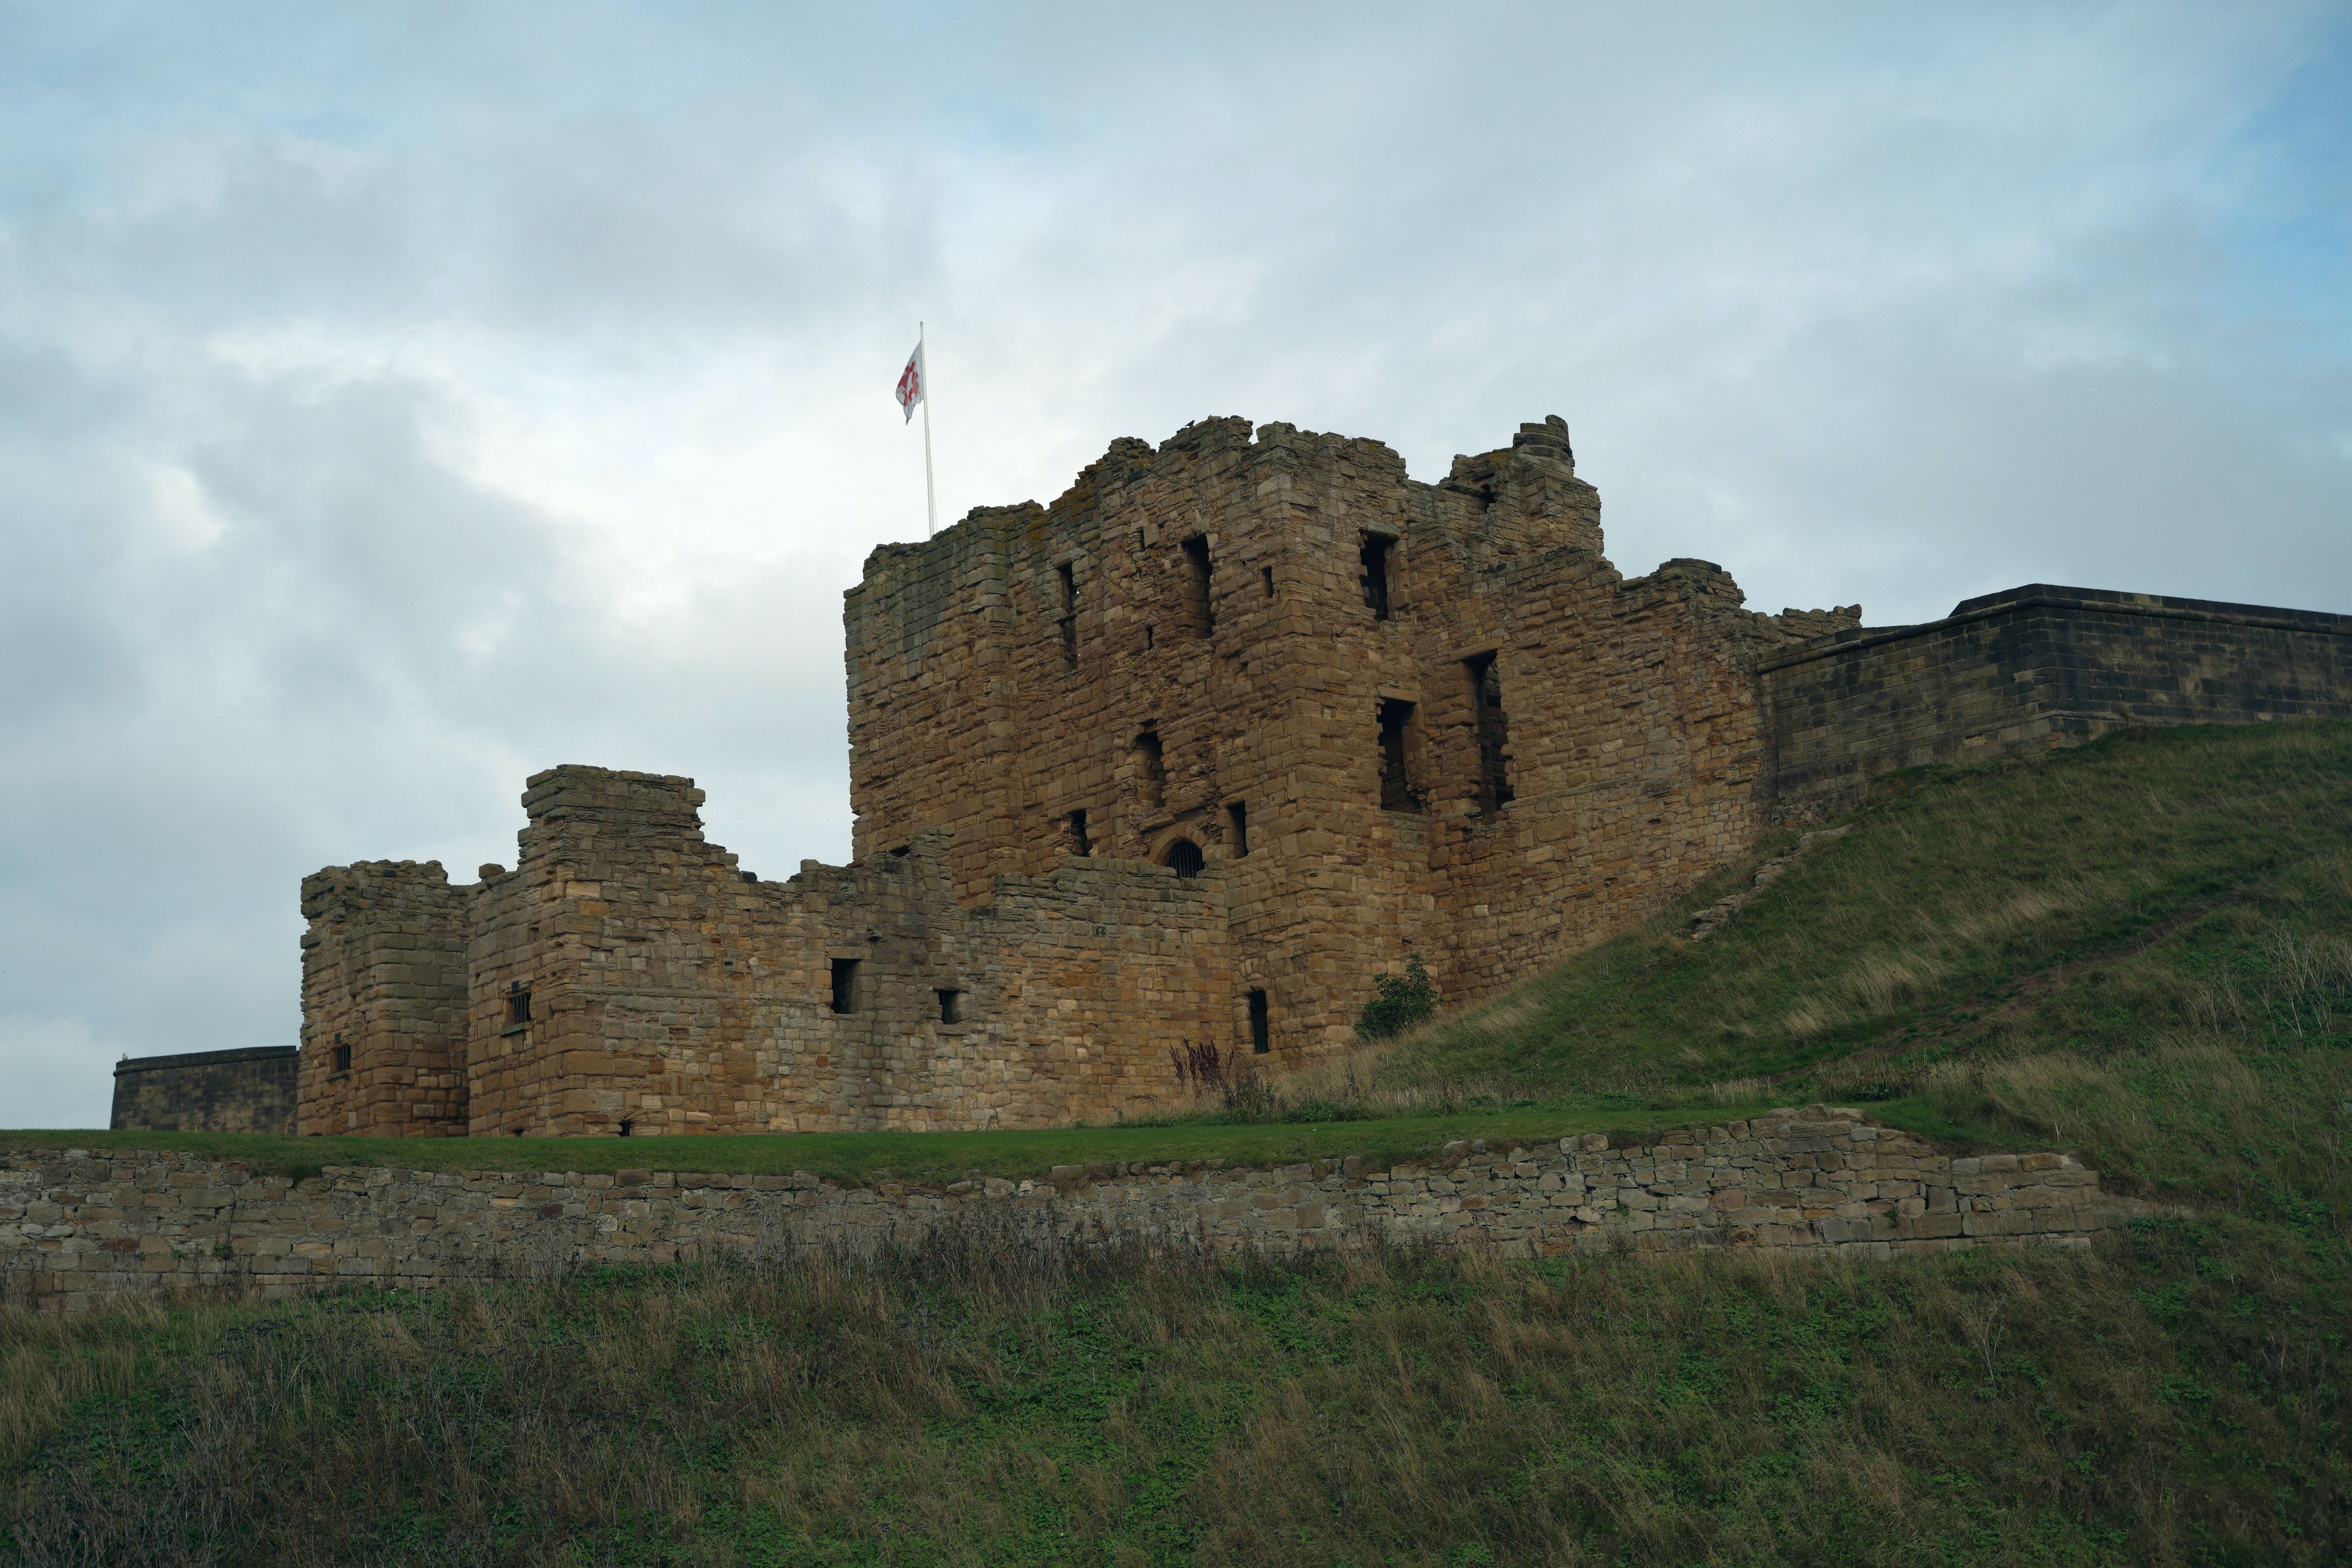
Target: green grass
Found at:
x=2179, y=1397
x=862, y=1158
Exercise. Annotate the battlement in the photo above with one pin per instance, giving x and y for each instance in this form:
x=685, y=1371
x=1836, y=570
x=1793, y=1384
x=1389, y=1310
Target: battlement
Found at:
x=655, y=802
x=374, y=884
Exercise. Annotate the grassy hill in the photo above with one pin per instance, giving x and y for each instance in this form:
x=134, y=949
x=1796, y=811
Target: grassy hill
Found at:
x=2141, y=949
x=2137, y=950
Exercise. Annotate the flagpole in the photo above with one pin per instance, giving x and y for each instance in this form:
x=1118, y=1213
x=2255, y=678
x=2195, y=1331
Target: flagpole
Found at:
x=931, y=496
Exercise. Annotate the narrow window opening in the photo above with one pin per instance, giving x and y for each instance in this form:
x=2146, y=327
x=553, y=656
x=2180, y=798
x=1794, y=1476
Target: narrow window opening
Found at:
x=627, y=1127
x=1152, y=767
x=949, y=1012
x=1184, y=858
x=1494, y=791
x=343, y=1058
x=844, y=984
x=1396, y=783
x=1147, y=639
x=1196, y=585
x=1068, y=573
x=1261, y=1024
x=1269, y=580
x=1073, y=836
x=1375, y=579
x=1237, y=829
x=518, y=1005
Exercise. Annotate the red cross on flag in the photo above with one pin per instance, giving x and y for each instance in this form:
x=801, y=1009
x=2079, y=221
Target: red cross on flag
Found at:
x=911, y=382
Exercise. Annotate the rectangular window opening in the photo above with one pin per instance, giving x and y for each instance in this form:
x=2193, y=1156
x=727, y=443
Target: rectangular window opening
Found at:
x=1269, y=580
x=1493, y=784
x=949, y=1012
x=1396, y=783
x=1073, y=836
x=1261, y=1024
x=1196, y=585
x=518, y=1005
x=1152, y=767
x=1375, y=578
x=844, y=984
x=343, y=1058
x=1068, y=573
x=1237, y=829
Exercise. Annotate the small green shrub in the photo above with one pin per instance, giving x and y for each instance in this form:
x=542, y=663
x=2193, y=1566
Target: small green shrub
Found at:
x=1399, y=1002
x=1325, y=1111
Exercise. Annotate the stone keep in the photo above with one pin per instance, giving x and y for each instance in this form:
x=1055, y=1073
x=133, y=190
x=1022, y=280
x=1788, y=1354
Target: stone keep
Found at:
x=1185, y=760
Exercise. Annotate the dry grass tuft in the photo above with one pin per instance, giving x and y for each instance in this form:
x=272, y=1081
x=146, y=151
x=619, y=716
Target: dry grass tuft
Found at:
x=991, y=1400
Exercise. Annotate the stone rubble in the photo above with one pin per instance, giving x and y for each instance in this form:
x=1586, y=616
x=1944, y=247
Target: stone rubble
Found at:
x=1718, y=914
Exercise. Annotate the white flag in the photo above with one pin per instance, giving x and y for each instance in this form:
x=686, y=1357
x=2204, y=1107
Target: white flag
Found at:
x=911, y=381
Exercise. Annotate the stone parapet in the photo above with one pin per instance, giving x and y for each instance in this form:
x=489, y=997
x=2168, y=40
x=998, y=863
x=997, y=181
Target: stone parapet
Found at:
x=247, y=1091
x=2030, y=668
x=79, y=1227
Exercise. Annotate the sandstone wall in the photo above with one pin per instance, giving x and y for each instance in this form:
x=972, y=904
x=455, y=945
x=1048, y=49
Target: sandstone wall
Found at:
x=250, y=1090
x=1636, y=758
x=384, y=987
x=1035, y=663
x=79, y=1227
x=627, y=976
x=2030, y=668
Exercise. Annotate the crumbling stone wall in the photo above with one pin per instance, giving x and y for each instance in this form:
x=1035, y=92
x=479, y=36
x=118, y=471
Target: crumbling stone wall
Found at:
x=248, y=1091
x=78, y=1228
x=2033, y=667
x=628, y=976
x=383, y=988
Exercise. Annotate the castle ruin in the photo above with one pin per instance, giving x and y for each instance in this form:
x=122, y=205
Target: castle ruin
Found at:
x=1186, y=759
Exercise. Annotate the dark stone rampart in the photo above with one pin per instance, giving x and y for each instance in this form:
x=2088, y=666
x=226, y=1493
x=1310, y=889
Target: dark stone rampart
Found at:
x=2032, y=667
x=250, y=1090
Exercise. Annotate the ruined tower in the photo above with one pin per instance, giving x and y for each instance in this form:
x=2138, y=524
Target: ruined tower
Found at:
x=1396, y=717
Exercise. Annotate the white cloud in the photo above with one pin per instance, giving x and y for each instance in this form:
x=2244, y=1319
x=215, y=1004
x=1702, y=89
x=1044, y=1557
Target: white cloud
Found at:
x=187, y=519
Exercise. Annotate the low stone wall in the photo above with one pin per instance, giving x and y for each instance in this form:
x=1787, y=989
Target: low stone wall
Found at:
x=78, y=1226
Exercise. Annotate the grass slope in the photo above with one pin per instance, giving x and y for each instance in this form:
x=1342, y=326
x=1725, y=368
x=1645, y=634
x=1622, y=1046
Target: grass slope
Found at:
x=2139, y=950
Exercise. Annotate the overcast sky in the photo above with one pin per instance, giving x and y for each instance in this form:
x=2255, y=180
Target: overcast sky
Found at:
x=396, y=400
